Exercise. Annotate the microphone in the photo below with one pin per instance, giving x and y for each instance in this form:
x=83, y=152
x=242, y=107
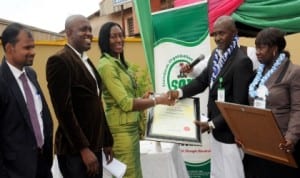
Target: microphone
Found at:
x=197, y=60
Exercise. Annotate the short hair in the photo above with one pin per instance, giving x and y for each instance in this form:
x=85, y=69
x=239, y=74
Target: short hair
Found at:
x=11, y=32
x=226, y=20
x=272, y=37
x=70, y=20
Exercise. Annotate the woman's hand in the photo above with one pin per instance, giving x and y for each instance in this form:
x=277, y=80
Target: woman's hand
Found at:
x=173, y=94
x=238, y=142
x=147, y=94
x=164, y=99
x=287, y=146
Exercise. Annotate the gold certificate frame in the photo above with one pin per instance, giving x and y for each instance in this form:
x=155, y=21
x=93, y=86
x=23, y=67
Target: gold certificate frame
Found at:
x=175, y=123
x=257, y=130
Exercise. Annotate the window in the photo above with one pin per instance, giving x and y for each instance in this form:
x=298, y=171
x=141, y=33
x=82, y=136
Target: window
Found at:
x=130, y=26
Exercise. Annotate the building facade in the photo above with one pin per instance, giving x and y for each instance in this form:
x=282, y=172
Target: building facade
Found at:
x=122, y=12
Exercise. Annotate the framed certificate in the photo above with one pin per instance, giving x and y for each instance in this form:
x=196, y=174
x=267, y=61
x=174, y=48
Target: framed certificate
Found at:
x=175, y=123
x=257, y=130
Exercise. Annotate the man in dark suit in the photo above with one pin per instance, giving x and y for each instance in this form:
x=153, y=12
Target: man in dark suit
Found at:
x=25, y=121
x=228, y=73
x=75, y=90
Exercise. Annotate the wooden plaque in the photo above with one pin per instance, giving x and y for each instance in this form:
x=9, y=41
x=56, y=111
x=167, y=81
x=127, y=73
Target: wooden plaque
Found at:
x=257, y=130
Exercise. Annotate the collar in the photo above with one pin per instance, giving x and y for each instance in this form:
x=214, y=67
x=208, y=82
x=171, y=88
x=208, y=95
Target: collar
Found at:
x=82, y=56
x=16, y=72
x=112, y=58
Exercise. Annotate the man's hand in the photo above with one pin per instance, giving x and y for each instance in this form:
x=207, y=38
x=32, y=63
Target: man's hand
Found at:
x=185, y=68
x=108, y=152
x=203, y=126
x=173, y=95
x=90, y=161
x=164, y=99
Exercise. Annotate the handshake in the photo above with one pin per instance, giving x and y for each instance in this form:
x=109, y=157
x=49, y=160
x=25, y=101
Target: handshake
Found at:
x=168, y=98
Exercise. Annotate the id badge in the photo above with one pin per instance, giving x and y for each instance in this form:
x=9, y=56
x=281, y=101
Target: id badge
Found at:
x=221, y=95
x=260, y=103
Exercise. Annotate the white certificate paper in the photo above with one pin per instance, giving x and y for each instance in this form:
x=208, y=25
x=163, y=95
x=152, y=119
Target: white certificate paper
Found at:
x=175, y=123
x=115, y=168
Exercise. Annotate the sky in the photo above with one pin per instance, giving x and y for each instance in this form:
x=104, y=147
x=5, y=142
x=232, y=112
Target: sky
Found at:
x=46, y=14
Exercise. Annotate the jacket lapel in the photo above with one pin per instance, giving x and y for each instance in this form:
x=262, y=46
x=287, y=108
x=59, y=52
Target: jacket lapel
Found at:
x=16, y=91
x=84, y=68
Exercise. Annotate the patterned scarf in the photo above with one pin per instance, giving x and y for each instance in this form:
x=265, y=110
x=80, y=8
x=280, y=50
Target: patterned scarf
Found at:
x=261, y=79
x=219, y=61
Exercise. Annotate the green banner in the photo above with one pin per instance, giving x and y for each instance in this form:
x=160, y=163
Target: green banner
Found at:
x=144, y=17
x=171, y=38
x=180, y=36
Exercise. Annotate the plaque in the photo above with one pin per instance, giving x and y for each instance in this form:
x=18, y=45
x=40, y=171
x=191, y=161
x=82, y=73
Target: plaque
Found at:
x=257, y=130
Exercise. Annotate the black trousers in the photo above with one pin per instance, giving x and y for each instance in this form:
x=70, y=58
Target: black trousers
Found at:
x=72, y=166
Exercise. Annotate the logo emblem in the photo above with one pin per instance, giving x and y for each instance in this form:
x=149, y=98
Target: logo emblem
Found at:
x=173, y=78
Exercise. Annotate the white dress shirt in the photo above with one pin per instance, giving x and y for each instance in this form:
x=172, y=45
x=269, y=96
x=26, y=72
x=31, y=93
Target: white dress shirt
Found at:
x=36, y=96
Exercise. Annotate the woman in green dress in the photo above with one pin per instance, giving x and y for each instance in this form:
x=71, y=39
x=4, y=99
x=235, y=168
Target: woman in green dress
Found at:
x=120, y=96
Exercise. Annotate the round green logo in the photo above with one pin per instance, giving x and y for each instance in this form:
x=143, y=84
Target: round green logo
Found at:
x=173, y=78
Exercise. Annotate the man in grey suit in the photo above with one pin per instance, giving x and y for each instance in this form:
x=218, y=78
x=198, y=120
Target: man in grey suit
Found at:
x=75, y=90
x=25, y=121
x=227, y=75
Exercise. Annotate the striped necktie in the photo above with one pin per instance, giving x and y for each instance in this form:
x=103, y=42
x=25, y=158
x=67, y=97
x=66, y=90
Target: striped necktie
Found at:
x=32, y=110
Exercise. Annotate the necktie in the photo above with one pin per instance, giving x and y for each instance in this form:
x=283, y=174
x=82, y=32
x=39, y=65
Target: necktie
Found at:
x=32, y=110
